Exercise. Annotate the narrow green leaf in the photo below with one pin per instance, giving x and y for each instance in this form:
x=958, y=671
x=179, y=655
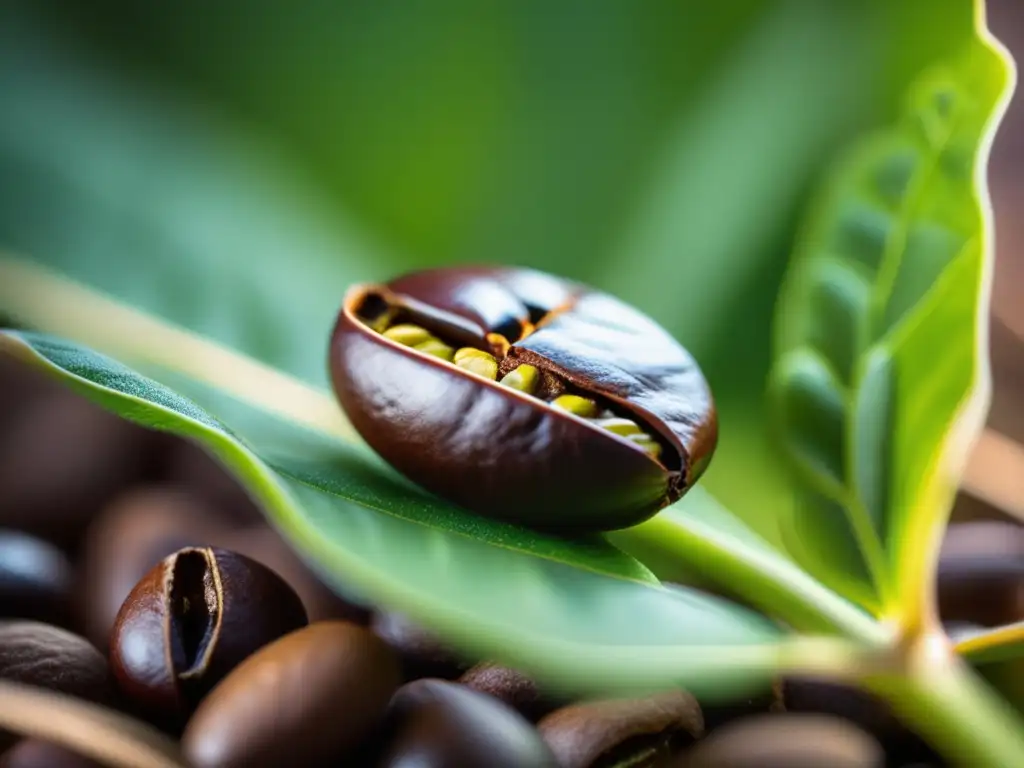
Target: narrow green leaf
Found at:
x=879, y=380
x=580, y=613
x=992, y=645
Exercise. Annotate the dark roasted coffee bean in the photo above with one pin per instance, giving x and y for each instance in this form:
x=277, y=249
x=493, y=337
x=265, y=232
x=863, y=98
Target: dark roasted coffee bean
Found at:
x=188, y=465
x=981, y=573
x=422, y=653
x=436, y=724
x=36, y=579
x=60, y=462
x=191, y=620
x=785, y=741
x=306, y=699
x=134, y=533
x=512, y=687
x=634, y=732
x=555, y=375
x=50, y=657
x=812, y=696
x=31, y=753
x=718, y=714
x=265, y=545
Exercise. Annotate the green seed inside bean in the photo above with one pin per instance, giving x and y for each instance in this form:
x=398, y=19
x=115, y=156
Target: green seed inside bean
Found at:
x=619, y=426
x=646, y=442
x=479, y=362
x=407, y=334
x=580, y=406
x=437, y=348
x=525, y=378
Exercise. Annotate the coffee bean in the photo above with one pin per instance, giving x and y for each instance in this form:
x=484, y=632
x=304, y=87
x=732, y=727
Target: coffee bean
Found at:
x=50, y=657
x=31, y=753
x=60, y=462
x=190, y=621
x=188, y=465
x=555, y=373
x=718, y=714
x=36, y=579
x=305, y=699
x=981, y=573
x=512, y=687
x=421, y=652
x=636, y=732
x=264, y=545
x=870, y=713
x=785, y=741
x=134, y=533
x=432, y=723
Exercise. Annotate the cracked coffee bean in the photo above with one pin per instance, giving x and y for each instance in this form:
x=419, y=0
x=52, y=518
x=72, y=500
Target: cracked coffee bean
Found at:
x=307, y=699
x=438, y=724
x=523, y=397
x=981, y=573
x=36, y=580
x=785, y=741
x=135, y=532
x=639, y=733
x=50, y=657
x=190, y=621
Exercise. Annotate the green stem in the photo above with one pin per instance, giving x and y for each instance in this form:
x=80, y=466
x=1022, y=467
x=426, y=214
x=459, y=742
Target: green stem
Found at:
x=753, y=572
x=946, y=702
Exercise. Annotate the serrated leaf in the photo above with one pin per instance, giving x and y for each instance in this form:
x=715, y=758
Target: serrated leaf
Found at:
x=880, y=378
x=580, y=613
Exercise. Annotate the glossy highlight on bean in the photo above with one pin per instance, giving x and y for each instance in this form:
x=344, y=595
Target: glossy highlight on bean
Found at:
x=523, y=397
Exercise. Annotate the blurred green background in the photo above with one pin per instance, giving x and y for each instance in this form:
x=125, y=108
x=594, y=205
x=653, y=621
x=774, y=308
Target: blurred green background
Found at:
x=237, y=164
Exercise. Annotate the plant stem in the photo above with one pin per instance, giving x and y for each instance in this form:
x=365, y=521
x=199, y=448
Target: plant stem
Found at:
x=943, y=700
x=754, y=573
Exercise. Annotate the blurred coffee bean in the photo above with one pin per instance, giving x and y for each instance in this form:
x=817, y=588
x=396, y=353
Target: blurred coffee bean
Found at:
x=264, y=545
x=50, y=657
x=717, y=715
x=421, y=652
x=36, y=579
x=812, y=696
x=634, y=732
x=19, y=384
x=512, y=687
x=60, y=461
x=307, y=699
x=981, y=573
x=31, y=753
x=188, y=465
x=135, y=532
x=437, y=724
x=191, y=620
x=785, y=741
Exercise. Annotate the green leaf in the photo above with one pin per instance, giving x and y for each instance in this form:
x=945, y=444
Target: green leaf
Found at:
x=168, y=207
x=581, y=613
x=992, y=645
x=879, y=384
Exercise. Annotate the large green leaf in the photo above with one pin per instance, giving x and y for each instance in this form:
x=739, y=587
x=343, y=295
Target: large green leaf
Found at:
x=664, y=162
x=580, y=613
x=880, y=382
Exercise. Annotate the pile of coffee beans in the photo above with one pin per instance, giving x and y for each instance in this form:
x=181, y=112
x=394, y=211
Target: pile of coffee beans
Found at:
x=150, y=617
